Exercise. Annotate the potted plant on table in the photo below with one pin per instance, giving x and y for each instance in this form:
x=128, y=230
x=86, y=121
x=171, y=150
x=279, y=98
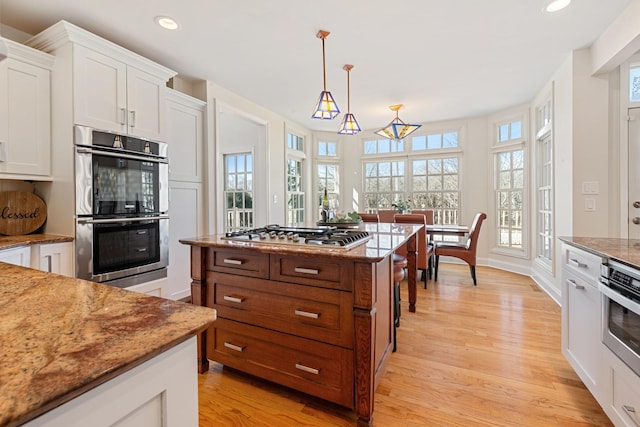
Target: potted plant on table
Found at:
x=402, y=206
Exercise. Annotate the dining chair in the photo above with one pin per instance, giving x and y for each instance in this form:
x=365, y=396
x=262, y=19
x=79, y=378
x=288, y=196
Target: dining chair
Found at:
x=424, y=249
x=386, y=215
x=465, y=251
x=369, y=217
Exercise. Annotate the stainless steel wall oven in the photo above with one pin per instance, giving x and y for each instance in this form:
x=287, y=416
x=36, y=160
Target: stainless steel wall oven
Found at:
x=122, y=200
x=620, y=287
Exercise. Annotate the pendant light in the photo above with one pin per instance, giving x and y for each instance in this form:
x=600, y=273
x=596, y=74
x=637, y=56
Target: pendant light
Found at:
x=349, y=125
x=397, y=129
x=326, y=108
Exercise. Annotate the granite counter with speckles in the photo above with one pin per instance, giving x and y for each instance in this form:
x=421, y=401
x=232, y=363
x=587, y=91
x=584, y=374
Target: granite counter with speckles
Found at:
x=626, y=251
x=60, y=337
x=9, y=242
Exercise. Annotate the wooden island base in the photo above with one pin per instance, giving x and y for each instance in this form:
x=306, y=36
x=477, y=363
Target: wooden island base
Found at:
x=317, y=320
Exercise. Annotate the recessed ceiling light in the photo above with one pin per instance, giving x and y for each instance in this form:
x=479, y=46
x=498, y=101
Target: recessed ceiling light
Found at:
x=556, y=5
x=167, y=23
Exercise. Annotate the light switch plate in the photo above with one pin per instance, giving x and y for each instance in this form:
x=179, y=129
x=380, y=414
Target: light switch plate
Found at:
x=590, y=204
x=590, y=187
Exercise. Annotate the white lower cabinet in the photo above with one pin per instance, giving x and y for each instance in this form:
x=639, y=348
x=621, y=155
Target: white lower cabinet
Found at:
x=17, y=256
x=162, y=392
x=53, y=258
x=581, y=318
x=621, y=391
x=157, y=288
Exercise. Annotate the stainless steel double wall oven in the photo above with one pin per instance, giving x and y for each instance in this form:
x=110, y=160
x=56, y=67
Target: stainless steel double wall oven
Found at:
x=122, y=202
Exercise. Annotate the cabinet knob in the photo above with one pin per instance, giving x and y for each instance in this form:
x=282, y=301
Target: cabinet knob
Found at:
x=636, y=204
x=636, y=220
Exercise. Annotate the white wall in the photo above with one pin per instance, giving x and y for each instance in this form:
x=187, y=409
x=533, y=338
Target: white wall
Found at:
x=275, y=143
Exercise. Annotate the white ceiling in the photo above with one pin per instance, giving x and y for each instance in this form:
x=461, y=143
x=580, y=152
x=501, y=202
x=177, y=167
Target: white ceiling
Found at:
x=442, y=59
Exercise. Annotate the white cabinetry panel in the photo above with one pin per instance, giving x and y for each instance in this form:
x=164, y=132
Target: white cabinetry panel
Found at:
x=581, y=317
x=25, y=113
x=185, y=135
x=162, y=392
x=185, y=212
x=112, y=96
x=17, y=256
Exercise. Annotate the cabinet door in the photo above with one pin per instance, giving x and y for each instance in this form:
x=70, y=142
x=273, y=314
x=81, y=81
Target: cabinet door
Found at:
x=54, y=258
x=16, y=256
x=100, y=91
x=581, y=329
x=185, y=133
x=146, y=102
x=185, y=212
x=25, y=119
x=157, y=288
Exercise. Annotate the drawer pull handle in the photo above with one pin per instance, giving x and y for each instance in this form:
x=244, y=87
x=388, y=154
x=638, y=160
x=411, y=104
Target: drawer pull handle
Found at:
x=631, y=412
x=306, y=270
x=306, y=314
x=573, y=283
x=233, y=299
x=576, y=263
x=234, y=347
x=232, y=261
x=307, y=369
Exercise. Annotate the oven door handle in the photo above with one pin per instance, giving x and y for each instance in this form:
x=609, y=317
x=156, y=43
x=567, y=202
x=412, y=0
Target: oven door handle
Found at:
x=84, y=150
x=113, y=220
x=619, y=298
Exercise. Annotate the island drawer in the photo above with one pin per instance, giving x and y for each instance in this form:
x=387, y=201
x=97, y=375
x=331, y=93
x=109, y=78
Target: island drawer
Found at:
x=583, y=263
x=319, y=369
x=327, y=273
x=320, y=314
x=238, y=261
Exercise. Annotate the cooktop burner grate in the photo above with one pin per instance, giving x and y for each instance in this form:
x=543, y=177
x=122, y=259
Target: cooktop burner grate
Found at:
x=329, y=236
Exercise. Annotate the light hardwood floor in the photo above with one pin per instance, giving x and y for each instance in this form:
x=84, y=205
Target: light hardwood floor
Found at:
x=470, y=356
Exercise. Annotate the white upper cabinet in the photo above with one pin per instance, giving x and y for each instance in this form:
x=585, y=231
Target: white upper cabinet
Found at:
x=112, y=96
x=113, y=88
x=185, y=135
x=25, y=113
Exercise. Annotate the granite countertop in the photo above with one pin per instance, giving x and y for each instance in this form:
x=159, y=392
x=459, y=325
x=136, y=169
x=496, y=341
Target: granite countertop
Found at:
x=62, y=337
x=8, y=242
x=626, y=251
x=386, y=237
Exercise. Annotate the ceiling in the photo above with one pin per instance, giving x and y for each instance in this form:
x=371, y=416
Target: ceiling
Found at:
x=441, y=59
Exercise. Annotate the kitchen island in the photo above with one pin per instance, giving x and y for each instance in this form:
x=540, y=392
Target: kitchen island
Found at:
x=315, y=318
x=79, y=353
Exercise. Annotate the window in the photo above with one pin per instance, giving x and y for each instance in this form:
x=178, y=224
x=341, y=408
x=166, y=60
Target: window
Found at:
x=383, y=184
x=434, y=141
x=296, y=196
x=510, y=198
x=510, y=131
x=327, y=149
x=295, y=142
x=435, y=185
x=544, y=185
x=383, y=146
x=545, y=198
x=634, y=83
x=328, y=178
x=238, y=191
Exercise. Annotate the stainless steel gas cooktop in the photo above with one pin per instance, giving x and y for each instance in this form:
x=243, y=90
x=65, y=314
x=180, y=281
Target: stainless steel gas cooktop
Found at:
x=325, y=236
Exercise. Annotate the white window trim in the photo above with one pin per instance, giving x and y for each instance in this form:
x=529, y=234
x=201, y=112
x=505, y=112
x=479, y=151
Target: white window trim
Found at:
x=521, y=114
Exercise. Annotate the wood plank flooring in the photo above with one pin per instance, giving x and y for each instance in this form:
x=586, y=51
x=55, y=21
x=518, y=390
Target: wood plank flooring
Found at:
x=470, y=356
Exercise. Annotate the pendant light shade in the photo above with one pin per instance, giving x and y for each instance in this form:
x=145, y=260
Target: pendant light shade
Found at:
x=326, y=108
x=349, y=125
x=397, y=129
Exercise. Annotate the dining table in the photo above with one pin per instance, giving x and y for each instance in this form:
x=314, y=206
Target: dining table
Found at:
x=447, y=230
